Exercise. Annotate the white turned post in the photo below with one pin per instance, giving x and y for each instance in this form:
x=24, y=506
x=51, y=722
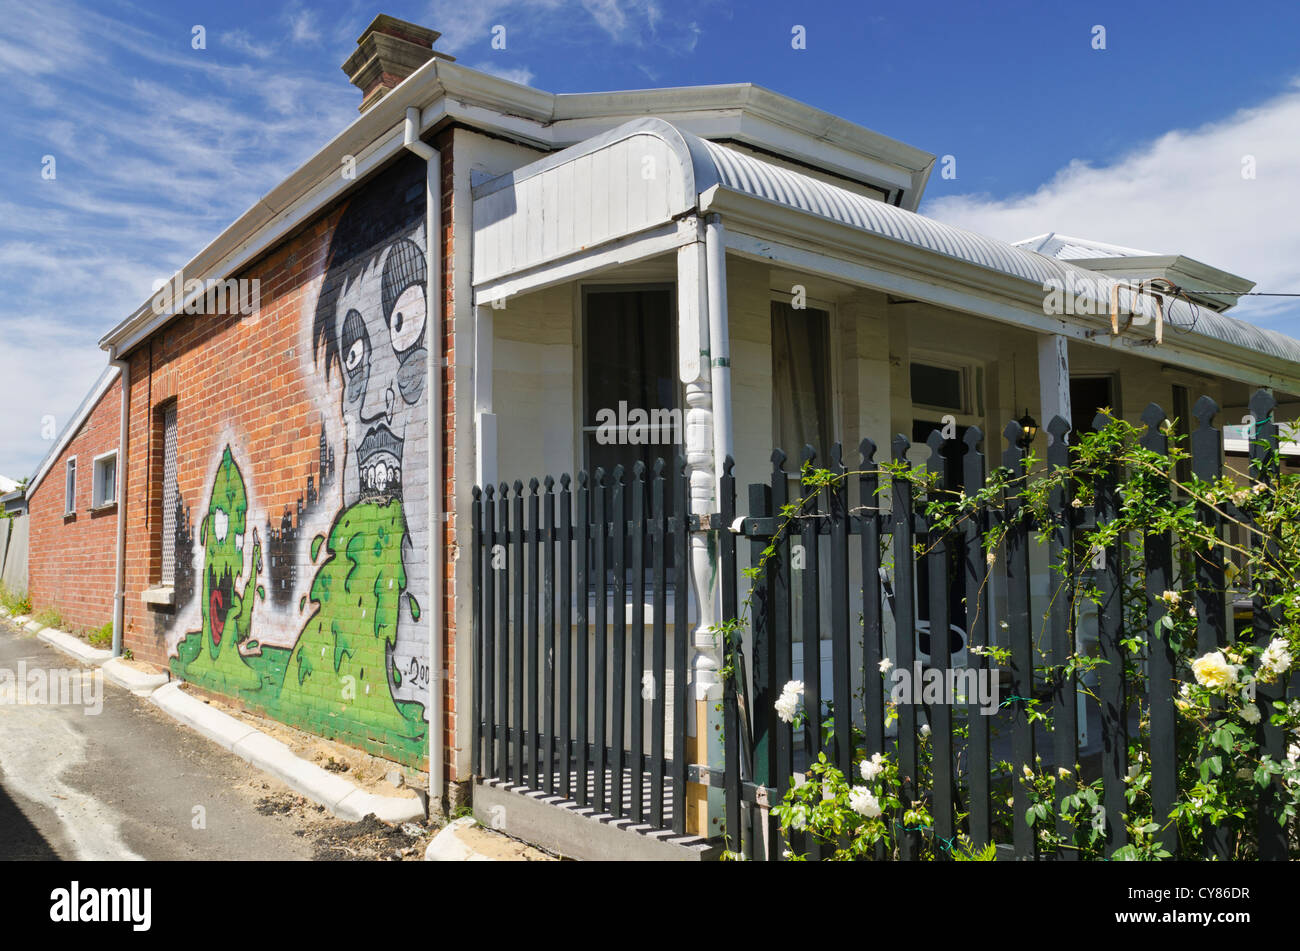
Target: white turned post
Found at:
x=705, y=806
x=485, y=421
x=1053, y=379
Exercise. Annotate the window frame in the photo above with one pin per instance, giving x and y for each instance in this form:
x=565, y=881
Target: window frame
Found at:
x=582, y=411
x=95, y=501
x=70, y=491
x=834, y=426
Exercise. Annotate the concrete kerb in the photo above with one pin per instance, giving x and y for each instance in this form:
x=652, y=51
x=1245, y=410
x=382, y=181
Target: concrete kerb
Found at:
x=341, y=797
x=72, y=646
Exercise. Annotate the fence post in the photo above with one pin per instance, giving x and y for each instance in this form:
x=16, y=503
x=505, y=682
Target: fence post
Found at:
x=782, y=671
x=1264, y=468
x=1110, y=629
x=566, y=634
x=1062, y=612
x=476, y=589
x=503, y=635
x=735, y=737
x=939, y=715
x=765, y=686
x=1211, y=623
x=977, y=627
x=841, y=659
x=636, y=656
x=905, y=626
x=1022, y=661
x=1158, y=554
x=548, y=633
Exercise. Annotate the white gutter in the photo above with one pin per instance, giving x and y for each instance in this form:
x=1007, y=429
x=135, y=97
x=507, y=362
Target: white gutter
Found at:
x=433, y=385
x=119, y=575
x=715, y=250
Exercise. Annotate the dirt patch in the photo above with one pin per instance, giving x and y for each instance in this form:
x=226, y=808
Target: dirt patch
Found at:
x=368, y=772
x=336, y=840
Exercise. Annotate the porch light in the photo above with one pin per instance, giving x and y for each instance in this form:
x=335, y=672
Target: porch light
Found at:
x=1028, y=429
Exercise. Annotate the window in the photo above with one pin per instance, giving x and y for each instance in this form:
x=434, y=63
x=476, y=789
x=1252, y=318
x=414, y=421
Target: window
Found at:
x=70, y=487
x=801, y=392
x=943, y=387
x=630, y=409
x=1089, y=395
x=169, y=495
x=104, y=490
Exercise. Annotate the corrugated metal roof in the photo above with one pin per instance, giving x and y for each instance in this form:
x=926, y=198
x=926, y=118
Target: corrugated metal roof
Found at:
x=752, y=176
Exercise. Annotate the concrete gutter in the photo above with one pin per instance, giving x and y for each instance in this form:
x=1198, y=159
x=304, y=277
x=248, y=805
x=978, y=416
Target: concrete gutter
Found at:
x=341, y=797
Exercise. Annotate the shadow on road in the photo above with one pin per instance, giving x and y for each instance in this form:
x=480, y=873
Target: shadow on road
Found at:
x=19, y=839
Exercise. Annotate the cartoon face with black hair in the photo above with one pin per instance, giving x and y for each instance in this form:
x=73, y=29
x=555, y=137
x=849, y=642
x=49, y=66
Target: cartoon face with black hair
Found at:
x=371, y=322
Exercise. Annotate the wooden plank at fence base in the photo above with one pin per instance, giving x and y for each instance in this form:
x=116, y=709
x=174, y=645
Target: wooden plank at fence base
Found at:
x=1158, y=553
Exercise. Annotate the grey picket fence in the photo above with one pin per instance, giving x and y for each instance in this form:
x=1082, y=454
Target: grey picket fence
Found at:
x=553, y=713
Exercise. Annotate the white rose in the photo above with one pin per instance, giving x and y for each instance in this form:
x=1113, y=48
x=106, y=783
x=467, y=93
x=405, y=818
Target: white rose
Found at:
x=863, y=802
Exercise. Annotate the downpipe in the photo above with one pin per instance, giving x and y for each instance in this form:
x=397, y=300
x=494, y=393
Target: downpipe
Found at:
x=433, y=384
x=119, y=570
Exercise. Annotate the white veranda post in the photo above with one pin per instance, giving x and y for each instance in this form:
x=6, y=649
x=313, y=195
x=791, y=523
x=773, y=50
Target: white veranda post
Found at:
x=705, y=805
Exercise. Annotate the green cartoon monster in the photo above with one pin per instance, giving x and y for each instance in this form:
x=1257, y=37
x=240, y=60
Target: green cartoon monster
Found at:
x=227, y=613
x=336, y=681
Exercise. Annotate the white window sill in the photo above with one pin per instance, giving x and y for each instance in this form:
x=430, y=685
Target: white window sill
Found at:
x=159, y=595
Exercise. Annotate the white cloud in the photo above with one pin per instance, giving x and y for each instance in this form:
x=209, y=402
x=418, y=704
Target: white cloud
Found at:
x=520, y=74
x=302, y=24
x=243, y=41
x=1181, y=193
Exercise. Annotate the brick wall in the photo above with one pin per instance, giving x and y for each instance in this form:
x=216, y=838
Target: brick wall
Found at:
x=256, y=386
x=72, y=558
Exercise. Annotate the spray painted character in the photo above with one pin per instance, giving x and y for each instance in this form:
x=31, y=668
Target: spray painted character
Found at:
x=369, y=325
x=227, y=612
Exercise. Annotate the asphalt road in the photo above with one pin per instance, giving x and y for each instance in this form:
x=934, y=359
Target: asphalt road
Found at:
x=127, y=782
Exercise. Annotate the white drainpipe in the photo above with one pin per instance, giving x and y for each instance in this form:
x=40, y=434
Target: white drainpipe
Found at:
x=719, y=341
x=119, y=577
x=433, y=385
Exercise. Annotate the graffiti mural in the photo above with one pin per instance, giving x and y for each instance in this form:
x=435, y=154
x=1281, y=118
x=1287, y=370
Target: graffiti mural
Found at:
x=347, y=673
x=215, y=660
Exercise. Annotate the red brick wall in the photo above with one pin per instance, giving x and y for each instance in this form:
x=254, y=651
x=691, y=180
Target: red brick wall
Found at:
x=243, y=381
x=72, y=559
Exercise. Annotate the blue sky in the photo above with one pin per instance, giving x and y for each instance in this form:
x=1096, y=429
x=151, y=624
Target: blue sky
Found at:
x=158, y=146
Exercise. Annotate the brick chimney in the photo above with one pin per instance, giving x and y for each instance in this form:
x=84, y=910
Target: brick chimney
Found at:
x=387, y=52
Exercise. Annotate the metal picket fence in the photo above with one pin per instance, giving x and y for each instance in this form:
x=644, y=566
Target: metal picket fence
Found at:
x=577, y=694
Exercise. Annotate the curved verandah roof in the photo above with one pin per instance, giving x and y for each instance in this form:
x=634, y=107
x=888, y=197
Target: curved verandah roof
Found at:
x=622, y=195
